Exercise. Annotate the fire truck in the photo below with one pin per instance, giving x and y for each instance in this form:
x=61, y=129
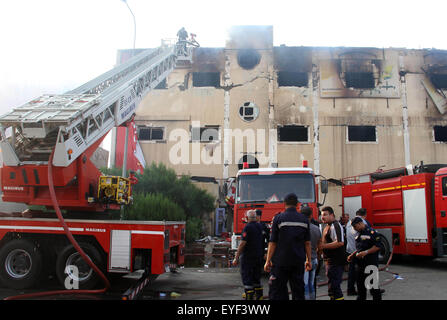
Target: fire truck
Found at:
x=46, y=146
x=265, y=189
x=407, y=206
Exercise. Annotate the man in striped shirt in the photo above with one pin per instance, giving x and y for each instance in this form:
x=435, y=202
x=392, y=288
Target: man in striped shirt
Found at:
x=289, y=252
x=334, y=253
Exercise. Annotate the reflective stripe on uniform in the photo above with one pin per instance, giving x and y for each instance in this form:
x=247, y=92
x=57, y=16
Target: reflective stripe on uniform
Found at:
x=292, y=224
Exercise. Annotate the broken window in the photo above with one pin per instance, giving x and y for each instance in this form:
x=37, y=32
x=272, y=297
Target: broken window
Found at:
x=248, y=58
x=439, y=80
x=150, y=133
x=293, y=133
x=360, y=73
x=248, y=111
x=205, y=134
x=362, y=134
x=359, y=80
x=292, y=79
x=206, y=79
x=440, y=133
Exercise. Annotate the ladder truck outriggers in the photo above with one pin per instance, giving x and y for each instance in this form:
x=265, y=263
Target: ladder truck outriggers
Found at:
x=55, y=135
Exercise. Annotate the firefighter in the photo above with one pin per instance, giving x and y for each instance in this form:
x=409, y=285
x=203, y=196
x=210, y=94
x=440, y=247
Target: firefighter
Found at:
x=182, y=35
x=265, y=230
x=367, y=254
x=251, y=252
x=289, y=252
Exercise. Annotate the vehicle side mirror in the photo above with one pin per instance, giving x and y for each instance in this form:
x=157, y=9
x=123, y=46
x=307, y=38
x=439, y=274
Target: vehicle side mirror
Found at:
x=324, y=186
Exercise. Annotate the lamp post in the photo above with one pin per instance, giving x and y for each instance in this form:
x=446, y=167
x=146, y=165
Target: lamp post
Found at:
x=134, y=23
x=127, y=125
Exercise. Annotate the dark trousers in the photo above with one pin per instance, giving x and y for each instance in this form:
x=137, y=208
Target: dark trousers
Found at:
x=335, y=277
x=352, y=276
x=251, y=270
x=361, y=288
x=279, y=276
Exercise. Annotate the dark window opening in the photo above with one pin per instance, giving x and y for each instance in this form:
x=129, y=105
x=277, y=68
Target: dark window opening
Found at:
x=205, y=134
x=362, y=133
x=251, y=160
x=439, y=80
x=150, y=134
x=206, y=79
x=248, y=58
x=162, y=85
x=440, y=133
x=293, y=79
x=360, y=80
x=293, y=133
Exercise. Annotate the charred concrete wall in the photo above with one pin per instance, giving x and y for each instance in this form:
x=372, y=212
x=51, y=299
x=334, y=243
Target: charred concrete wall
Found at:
x=346, y=110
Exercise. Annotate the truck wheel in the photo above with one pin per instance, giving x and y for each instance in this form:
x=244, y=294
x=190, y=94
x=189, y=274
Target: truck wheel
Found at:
x=20, y=264
x=385, y=250
x=73, y=272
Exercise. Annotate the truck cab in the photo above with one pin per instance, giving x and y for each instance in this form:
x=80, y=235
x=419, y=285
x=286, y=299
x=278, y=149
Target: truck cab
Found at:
x=265, y=189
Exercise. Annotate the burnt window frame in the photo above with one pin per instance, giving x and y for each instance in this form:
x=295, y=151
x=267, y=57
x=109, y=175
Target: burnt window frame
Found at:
x=348, y=141
x=150, y=140
x=359, y=87
x=201, y=130
x=439, y=80
x=435, y=134
x=355, y=66
x=307, y=127
x=216, y=82
x=282, y=72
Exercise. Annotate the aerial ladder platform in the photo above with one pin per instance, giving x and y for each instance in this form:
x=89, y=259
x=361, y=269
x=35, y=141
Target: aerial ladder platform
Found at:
x=73, y=125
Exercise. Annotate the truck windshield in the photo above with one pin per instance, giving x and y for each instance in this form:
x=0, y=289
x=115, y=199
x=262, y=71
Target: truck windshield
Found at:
x=273, y=188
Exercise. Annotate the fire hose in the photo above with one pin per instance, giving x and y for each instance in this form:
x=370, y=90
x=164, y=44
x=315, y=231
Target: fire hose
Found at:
x=75, y=245
x=384, y=268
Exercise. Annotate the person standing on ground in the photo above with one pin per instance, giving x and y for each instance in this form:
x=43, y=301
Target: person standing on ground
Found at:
x=351, y=234
x=265, y=231
x=350, y=248
x=289, y=252
x=315, y=241
x=367, y=254
x=362, y=214
x=334, y=253
x=251, y=252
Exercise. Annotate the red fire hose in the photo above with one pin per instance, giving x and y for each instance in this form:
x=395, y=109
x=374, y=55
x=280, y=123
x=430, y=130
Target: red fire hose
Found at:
x=75, y=245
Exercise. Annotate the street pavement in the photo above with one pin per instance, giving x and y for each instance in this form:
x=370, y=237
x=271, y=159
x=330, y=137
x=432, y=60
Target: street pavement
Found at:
x=405, y=279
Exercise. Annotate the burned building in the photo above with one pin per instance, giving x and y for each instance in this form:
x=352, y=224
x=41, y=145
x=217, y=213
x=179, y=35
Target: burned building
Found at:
x=346, y=110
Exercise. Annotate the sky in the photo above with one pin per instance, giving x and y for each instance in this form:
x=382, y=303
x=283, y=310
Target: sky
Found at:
x=52, y=46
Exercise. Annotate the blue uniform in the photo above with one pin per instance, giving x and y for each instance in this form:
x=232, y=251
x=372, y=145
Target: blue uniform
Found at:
x=366, y=239
x=251, y=258
x=290, y=231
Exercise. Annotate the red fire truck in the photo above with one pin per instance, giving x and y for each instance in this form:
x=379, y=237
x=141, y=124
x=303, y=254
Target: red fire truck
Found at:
x=406, y=205
x=46, y=147
x=265, y=189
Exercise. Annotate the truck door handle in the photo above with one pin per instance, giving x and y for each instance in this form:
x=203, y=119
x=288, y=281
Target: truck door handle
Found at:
x=442, y=214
